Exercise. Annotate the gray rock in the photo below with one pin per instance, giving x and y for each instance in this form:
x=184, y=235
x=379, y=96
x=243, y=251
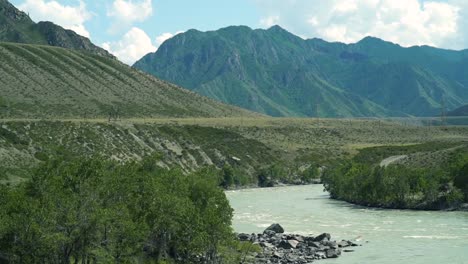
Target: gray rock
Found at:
x=343, y=244
x=269, y=233
x=277, y=254
x=315, y=244
x=322, y=237
x=243, y=237
x=266, y=245
x=333, y=253
x=275, y=227
x=288, y=244
x=292, y=248
x=296, y=237
x=320, y=255
x=330, y=244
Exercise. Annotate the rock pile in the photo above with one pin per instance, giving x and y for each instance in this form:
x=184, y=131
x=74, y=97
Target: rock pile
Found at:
x=278, y=247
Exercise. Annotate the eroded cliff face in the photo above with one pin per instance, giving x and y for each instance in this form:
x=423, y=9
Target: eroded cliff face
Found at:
x=23, y=145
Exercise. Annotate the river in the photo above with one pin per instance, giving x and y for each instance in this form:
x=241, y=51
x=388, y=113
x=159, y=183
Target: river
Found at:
x=387, y=236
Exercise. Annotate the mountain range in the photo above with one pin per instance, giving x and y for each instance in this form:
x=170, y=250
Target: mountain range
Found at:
x=277, y=73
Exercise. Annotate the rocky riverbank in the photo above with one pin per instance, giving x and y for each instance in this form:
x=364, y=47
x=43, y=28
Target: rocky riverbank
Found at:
x=278, y=247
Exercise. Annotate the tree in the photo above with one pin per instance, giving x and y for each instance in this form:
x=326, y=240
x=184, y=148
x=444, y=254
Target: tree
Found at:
x=228, y=176
x=91, y=210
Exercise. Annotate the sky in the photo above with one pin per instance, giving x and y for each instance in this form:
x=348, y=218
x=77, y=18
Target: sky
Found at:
x=132, y=28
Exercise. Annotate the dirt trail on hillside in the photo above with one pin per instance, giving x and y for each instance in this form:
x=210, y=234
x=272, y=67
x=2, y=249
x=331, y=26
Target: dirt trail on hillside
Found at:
x=392, y=159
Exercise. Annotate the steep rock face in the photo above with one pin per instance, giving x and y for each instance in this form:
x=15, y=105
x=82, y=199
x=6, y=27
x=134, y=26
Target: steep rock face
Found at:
x=17, y=26
x=275, y=72
x=60, y=37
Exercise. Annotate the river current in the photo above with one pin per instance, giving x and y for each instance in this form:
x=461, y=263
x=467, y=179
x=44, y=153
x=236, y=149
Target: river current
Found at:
x=387, y=236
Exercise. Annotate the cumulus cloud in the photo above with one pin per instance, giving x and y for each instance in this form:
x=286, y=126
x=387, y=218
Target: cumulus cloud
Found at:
x=127, y=12
x=165, y=36
x=67, y=16
x=132, y=47
x=407, y=22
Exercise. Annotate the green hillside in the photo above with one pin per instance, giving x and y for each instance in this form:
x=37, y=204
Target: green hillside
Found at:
x=50, y=82
x=16, y=26
x=275, y=72
x=461, y=111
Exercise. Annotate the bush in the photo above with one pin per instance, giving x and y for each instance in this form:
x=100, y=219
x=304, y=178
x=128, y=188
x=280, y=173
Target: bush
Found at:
x=461, y=180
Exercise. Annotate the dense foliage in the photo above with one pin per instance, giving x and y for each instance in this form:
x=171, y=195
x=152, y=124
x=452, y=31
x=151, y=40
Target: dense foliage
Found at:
x=400, y=186
x=95, y=211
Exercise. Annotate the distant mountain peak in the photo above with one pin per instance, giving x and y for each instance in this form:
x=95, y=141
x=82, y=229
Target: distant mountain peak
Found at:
x=276, y=27
x=279, y=29
x=16, y=26
x=372, y=40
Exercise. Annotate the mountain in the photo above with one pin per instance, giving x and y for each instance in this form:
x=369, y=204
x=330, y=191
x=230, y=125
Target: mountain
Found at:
x=461, y=111
x=275, y=72
x=16, y=26
x=50, y=82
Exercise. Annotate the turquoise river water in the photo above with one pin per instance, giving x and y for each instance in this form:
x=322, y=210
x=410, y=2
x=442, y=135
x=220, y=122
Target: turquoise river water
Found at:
x=387, y=236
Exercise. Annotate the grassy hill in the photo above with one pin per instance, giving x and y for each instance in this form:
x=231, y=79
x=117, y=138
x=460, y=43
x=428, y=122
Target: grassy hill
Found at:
x=16, y=26
x=49, y=82
x=275, y=72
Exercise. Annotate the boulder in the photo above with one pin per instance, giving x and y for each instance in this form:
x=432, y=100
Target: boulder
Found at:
x=288, y=244
x=296, y=237
x=269, y=233
x=266, y=245
x=332, y=253
x=322, y=237
x=243, y=237
x=343, y=244
x=277, y=254
x=275, y=227
x=315, y=244
x=330, y=244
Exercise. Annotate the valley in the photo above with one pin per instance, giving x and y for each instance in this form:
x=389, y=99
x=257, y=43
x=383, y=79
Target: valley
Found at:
x=192, y=143
x=215, y=134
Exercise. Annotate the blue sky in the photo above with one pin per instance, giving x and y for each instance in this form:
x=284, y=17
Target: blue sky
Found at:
x=132, y=28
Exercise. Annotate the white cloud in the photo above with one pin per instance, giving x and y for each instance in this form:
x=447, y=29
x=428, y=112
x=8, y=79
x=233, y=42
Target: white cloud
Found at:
x=269, y=21
x=165, y=36
x=69, y=17
x=135, y=44
x=407, y=22
x=127, y=12
x=132, y=47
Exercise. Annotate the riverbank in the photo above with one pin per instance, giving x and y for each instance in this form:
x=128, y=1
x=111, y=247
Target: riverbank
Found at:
x=278, y=247
x=441, y=208
x=462, y=207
